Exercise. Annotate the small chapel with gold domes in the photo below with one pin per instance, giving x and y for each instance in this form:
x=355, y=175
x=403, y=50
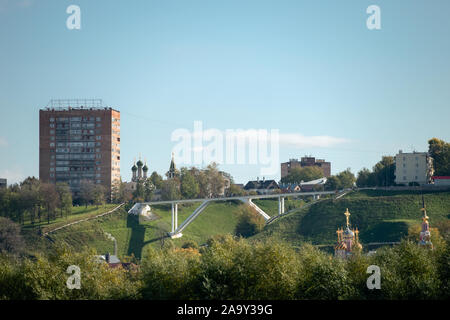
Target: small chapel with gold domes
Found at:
x=425, y=235
x=348, y=240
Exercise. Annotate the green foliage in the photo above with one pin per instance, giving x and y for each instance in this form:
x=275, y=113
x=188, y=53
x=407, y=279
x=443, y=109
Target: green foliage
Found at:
x=297, y=175
x=170, y=190
x=380, y=216
x=190, y=244
x=234, y=269
x=65, y=198
x=383, y=174
x=250, y=222
x=343, y=180
x=322, y=277
x=156, y=180
x=439, y=150
x=11, y=240
x=408, y=272
x=170, y=274
x=45, y=278
x=189, y=186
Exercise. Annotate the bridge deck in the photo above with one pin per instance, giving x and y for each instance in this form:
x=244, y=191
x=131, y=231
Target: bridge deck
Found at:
x=262, y=196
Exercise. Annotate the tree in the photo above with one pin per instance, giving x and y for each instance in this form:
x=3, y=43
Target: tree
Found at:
x=65, y=198
x=139, y=192
x=120, y=193
x=216, y=181
x=86, y=188
x=189, y=186
x=384, y=171
x=365, y=178
x=156, y=180
x=234, y=191
x=297, y=175
x=439, y=150
x=50, y=199
x=11, y=240
x=250, y=222
x=98, y=195
x=29, y=197
x=149, y=188
x=170, y=189
x=347, y=179
x=333, y=183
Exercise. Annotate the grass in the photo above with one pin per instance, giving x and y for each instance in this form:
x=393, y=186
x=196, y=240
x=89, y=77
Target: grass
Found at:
x=383, y=216
x=78, y=213
x=270, y=206
x=380, y=217
x=133, y=234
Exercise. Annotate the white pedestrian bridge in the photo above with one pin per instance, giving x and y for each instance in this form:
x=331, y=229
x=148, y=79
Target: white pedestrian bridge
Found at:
x=176, y=231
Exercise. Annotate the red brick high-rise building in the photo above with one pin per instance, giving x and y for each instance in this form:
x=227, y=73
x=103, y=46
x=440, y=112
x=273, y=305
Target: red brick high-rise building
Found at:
x=286, y=167
x=79, y=140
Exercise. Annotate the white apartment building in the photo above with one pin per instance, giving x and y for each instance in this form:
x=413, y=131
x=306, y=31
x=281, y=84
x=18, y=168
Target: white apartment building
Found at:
x=413, y=167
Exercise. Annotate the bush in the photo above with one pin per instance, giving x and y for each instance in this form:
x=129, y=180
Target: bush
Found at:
x=322, y=277
x=190, y=244
x=250, y=222
x=408, y=272
x=170, y=273
x=11, y=240
x=45, y=278
x=236, y=269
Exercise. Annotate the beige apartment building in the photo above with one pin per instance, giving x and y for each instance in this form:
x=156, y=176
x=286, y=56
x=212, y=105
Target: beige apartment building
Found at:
x=413, y=167
x=79, y=140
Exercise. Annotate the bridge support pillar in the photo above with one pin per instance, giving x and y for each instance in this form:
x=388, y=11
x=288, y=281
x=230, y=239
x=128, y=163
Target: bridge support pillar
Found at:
x=173, y=218
x=280, y=205
x=176, y=216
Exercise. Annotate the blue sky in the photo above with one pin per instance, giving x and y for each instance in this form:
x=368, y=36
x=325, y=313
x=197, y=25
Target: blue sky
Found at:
x=309, y=68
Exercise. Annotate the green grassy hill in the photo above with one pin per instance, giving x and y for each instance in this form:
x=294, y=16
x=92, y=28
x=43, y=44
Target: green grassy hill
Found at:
x=381, y=216
x=133, y=234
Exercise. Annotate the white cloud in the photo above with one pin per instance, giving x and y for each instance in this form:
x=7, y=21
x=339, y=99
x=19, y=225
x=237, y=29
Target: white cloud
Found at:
x=293, y=140
x=300, y=141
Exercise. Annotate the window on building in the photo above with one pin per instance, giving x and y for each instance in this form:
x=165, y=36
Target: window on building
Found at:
x=404, y=178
